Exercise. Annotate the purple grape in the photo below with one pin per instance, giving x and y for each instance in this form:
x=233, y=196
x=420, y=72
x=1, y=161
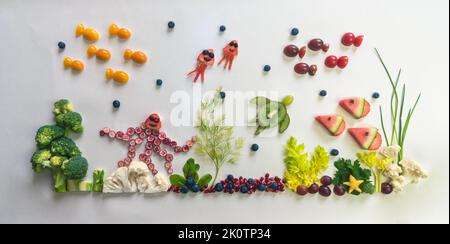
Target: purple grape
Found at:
x=326, y=180
x=325, y=191
x=339, y=190
x=386, y=188
x=302, y=190
x=313, y=189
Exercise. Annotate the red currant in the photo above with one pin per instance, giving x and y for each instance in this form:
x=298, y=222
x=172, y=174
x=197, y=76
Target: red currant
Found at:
x=348, y=39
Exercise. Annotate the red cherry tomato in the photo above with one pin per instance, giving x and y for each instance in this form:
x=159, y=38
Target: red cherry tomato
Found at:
x=301, y=68
x=290, y=50
x=342, y=62
x=331, y=61
x=348, y=39
x=302, y=52
x=358, y=41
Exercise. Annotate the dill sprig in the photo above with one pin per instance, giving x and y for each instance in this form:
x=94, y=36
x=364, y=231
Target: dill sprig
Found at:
x=215, y=141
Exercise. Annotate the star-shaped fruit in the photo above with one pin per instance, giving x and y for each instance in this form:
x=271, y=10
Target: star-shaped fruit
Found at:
x=354, y=184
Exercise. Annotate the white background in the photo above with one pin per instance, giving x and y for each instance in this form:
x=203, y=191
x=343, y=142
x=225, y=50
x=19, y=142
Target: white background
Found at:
x=410, y=34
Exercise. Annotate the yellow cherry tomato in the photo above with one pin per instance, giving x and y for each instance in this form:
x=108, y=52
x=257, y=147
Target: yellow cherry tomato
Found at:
x=138, y=56
x=89, y=34
x=118, y=76
x=122, y=33
x=76, y=65
x=101, y=53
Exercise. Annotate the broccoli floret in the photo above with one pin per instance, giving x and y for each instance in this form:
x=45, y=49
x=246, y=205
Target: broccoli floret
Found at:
x=75, y=168
x=46, y=134
x=62, y=106
x=65, y=147
x=41, y=160
x=57, y=161
x=70, y=120
x=59, y=180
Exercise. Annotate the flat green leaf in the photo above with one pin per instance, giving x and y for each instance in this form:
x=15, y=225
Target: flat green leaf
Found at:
x=204, y=181
x=177, y=180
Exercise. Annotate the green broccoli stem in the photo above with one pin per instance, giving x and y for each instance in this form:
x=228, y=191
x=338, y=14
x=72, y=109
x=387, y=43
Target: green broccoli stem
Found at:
x=59, y=180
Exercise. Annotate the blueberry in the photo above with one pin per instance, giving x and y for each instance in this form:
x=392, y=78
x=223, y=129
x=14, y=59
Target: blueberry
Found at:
x=244, y=189
x=195, y=188
x=376, y=95
x=251, y=181
x=261, y=187
x=159, y=82
x=294, y=31
x=190, y=181
x=222, y=95
x=218, y=187
x=171, y=24
x=230, y=177
x=116, y=103
x=334, y=152
x=267, y=68
x=322, y=93
x=61, y=45
x=254, y=147
x=184, y=189
x=222, y=28
x=274, y=185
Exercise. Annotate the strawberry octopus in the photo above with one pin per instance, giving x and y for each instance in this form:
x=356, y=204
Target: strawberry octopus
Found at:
x=204, y=59
x=150, y=133
x=230, y=51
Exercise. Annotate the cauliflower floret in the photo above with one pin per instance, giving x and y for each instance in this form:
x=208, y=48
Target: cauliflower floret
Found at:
x=135, y=178
x=118, y=182
x=391, y=151
x=413, y=171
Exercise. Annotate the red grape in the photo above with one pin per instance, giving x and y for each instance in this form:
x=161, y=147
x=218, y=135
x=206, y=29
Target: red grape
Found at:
x=290, y=50
x=301, y=68
x=315, y=44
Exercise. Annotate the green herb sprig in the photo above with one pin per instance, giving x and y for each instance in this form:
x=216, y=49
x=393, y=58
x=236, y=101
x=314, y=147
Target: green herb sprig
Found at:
x=215, y=141
x=399, y=125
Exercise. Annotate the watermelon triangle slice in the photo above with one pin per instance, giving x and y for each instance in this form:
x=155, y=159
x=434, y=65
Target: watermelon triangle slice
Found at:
x=356, y=106
x=335, y=124
x=367, y=138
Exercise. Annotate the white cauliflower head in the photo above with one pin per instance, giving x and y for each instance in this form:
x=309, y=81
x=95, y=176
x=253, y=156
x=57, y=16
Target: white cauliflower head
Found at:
x=413, y=170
